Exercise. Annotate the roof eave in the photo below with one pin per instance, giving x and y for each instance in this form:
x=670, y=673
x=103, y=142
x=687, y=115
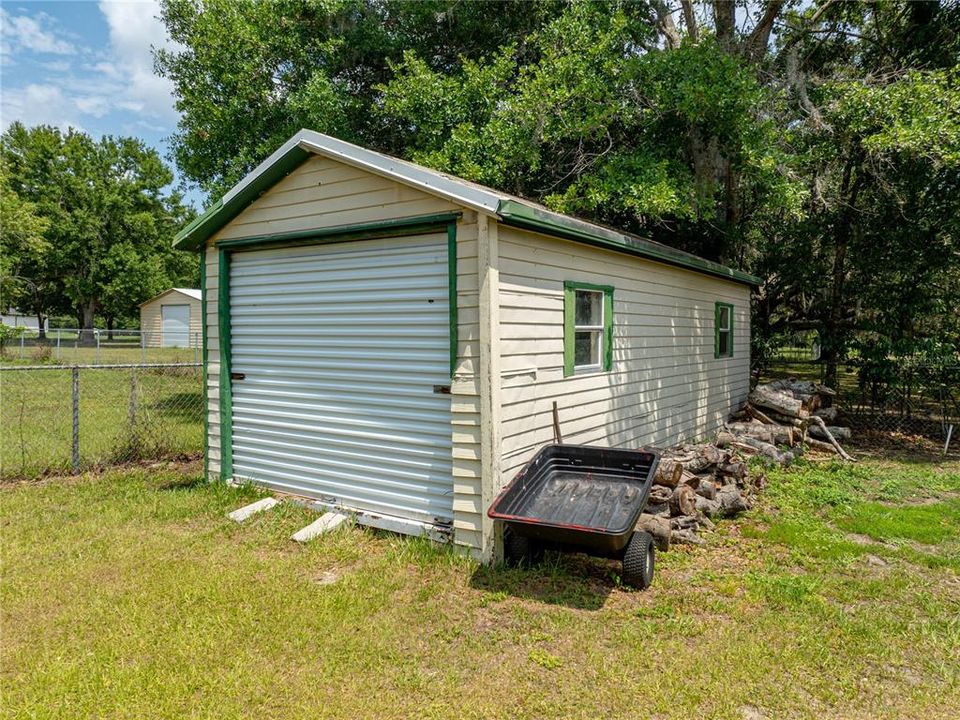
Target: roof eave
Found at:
x=517, y=214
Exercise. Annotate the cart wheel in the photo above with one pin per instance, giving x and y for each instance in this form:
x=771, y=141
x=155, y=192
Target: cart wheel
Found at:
x=519, y=550
x=638, y=561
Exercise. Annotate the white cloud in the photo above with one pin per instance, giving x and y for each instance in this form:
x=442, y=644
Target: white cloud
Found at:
x=97, y=81
x=135, y=31
x=39, y=104
x=36, y=34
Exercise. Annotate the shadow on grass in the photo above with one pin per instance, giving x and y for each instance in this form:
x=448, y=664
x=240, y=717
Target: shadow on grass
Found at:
x=575, y=581
x=186, y=406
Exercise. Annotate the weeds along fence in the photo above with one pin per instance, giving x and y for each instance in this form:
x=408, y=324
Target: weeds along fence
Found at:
x=71, y=418
x=70, y=346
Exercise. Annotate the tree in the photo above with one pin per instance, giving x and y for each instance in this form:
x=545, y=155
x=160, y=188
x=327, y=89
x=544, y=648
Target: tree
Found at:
x=23, y=252
x=813, y=143
x=250, y=74
x=109, y=223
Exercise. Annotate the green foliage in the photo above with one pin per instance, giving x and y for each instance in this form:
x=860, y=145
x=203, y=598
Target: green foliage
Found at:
x=107, y=223
x=250, y=74
x=823, y=158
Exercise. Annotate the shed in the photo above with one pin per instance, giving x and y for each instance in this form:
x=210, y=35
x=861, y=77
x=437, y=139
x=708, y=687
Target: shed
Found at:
x=172, y=319
x=390, y=339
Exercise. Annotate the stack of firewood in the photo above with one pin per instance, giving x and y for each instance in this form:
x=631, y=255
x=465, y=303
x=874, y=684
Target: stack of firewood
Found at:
x=694, y=485
x=697, y=483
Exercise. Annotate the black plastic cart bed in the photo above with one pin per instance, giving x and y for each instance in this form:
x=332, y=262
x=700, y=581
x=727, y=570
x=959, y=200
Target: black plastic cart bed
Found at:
x=579, y=498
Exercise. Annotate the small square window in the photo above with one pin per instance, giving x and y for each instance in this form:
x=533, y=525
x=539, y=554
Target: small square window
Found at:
x=723, y=330
x=588, y=328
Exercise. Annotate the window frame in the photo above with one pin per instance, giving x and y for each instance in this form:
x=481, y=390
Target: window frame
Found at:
x=717, y=330
x=570, y=289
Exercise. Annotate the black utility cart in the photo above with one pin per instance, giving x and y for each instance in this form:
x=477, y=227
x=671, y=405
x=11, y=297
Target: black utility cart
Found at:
x=578, y=498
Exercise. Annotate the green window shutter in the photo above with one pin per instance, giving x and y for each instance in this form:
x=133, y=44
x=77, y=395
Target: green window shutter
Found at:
x=569, y=324
x=608, y=328
x=730, y=315
x=716, y=330
x=718, y=308
x=569, y=305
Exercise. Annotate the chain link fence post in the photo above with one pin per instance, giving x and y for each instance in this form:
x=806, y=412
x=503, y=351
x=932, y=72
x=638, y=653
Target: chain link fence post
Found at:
x=75, y=454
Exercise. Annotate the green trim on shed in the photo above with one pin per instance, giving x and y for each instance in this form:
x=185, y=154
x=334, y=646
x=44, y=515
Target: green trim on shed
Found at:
x=570, y=288
x=226, y=390
x=194, y=235
x=716, y=329
x=345, y=233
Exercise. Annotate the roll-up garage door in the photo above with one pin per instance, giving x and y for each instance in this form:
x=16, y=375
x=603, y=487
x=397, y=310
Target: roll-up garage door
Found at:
x=340, y=353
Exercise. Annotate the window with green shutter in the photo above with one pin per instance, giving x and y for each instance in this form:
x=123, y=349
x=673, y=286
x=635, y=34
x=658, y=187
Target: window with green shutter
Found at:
x=587, y=328
x=723, y=330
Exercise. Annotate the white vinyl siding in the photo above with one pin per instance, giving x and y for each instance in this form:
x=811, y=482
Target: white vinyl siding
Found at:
x=324, y=193
x=665, y=385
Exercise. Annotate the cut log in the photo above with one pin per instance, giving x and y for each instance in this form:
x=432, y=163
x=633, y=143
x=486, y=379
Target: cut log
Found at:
x=659, y=494
x=658, y=527
x=744, y=448
x=707, y=507
x=757, y=415
x=823, y=426
x=768, y=450
x=689, y=478
x=840, y=433
x=668, y=473
x=732, y=501
x=658, y=509
x=821, y=445
x=684, y=522
x=707, y=488
x=683, y=501
x=829, y=414
x=733, y=470
x=773, y=434
x=781, y=402
x=724, y=438
x=686, y=537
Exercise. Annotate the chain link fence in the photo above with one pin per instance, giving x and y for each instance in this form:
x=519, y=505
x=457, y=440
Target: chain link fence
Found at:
x=912, y=397
x=71, y=418
x=70, y=346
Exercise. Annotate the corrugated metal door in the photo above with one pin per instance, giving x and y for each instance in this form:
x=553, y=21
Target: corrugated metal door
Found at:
x=340, y=347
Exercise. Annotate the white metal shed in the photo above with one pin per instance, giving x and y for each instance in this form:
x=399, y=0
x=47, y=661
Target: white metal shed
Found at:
x=172, y=319
x=386, y=338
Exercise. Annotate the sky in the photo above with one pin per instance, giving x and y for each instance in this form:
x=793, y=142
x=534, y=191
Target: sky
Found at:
x=88, y=65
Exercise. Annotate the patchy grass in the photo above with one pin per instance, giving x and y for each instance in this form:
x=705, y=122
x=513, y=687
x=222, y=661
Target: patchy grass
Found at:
x=131, y=595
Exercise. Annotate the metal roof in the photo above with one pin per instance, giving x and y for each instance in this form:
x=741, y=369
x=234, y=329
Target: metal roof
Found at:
x=509, y=209
x=190, y=292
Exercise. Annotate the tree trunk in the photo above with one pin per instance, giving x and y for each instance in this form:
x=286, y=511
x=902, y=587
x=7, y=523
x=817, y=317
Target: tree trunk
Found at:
x=87, y=315
x=832, y=333
x=41, y=330
x=109, y=328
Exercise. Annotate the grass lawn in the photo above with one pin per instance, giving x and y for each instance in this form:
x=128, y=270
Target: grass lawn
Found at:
x=36, y=418
x=129, y=594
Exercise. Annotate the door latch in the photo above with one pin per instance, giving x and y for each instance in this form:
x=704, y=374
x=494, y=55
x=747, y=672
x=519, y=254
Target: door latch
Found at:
x=441, y=389
x=238, y=376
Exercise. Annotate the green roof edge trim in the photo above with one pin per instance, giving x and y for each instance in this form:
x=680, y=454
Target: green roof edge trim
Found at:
x=194, y=235
x=523, y=216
